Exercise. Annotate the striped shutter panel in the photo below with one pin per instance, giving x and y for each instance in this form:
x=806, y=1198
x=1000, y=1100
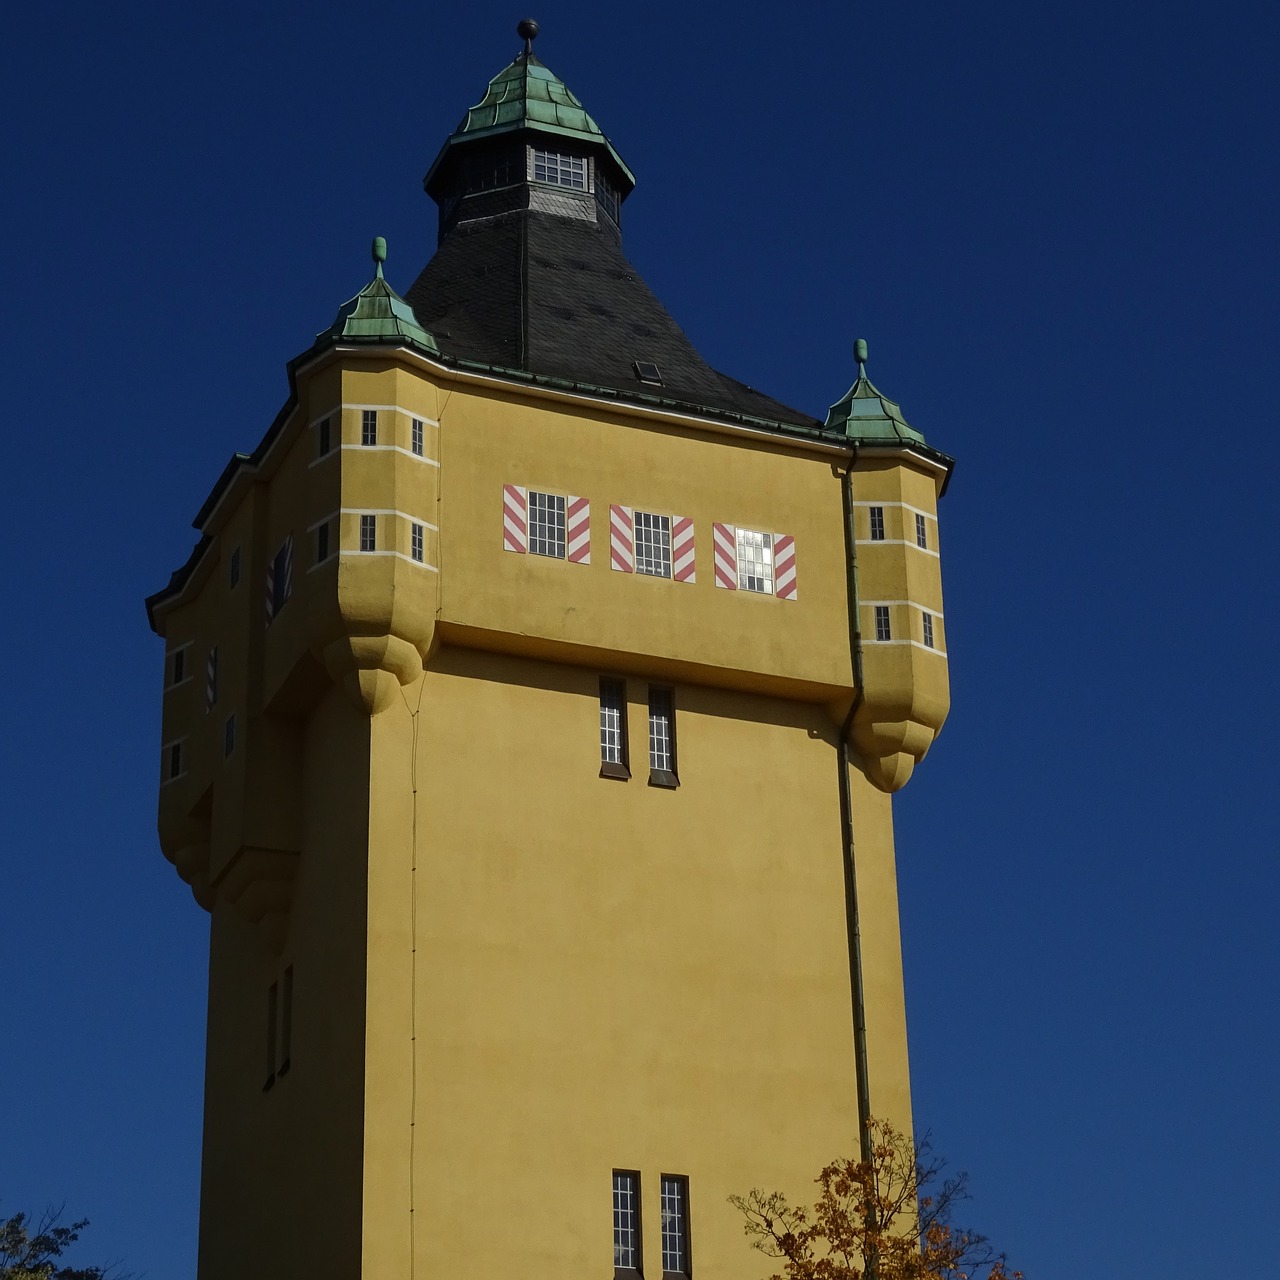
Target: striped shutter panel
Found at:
x=211, y=678
x=622, y=546
x=726, y=544
x=682, y=566
x=578, y=530
x=287, y=568
x=271, y=588
x=784, y=566
x=515, y=518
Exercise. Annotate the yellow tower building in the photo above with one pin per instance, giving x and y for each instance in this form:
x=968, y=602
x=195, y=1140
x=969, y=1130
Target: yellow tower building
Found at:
x=534, y=697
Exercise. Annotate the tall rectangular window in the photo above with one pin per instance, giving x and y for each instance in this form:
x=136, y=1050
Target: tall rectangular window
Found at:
x=323, y=442
x=675, y=1225
x=178, y=667
x=626, y=1221
x=173, y=762
x=755, y=561
x=233, y=567
x=415, y=542
x=322, y=543
x=416, y=437
x=928, y=630
x=922, y=539
x=877, y=524
x=882, y=622
x=560, y=170
x=273, y=1006
x=369, y=426
x=546, y=524
x=662, y=737
x=229, y=736
x=613, y=728
x=653, y=544
x=368, y=533
x=286, y=1020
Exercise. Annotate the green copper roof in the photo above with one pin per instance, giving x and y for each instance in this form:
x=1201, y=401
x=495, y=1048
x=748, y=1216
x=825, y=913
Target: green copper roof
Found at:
x=527, y=95
x=379, y=313
x=864, y=414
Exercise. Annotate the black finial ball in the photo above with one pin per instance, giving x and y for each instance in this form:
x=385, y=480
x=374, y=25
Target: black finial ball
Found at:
x=527, y=29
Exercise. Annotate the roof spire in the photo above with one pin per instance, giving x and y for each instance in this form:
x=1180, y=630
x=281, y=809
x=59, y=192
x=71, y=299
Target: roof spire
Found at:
x=860, y=355
x=379, y=251
x=527, y=30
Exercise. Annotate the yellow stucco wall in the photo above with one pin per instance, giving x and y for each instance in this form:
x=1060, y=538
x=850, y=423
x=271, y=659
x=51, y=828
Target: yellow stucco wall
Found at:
x=511, y=974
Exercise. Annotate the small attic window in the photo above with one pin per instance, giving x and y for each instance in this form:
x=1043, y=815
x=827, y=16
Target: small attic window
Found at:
x=647, y=372
x=560, y=170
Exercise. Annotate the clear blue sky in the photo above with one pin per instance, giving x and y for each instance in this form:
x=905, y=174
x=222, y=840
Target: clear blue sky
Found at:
x=1056, y=225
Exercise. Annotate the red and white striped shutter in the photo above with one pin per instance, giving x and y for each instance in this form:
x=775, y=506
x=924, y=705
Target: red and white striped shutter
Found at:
x=622, y=545
x=682, y=566
x=726, y=545
x=578, y=530
x=784, y=566
x=515, y=518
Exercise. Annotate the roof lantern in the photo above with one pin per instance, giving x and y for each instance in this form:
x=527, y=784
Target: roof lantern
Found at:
x=864, y=414
x=378, y=313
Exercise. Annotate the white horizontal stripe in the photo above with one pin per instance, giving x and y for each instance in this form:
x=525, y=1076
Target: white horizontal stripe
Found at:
x=906, y=506
x=399, y=555
x=177, y=684
x=311, y=528
x=331, y=558
x=324, y=457
x=942, y=653
x=390, y=408
x=870, y=604
x=893, y=542
x=387, y=448
x=387, y=511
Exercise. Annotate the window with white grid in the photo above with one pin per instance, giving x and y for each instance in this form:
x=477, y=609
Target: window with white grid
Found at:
x=877, y=524
x=369, y=426
x=546, y=524
x=613, y=726
x=755, y=561
x=416, y=437
x=368, y=533
x=560, y=170
x=626, y=1221
x=415, y=541
x=653, y=544
x=675, y=1225
x=922, y=539
x=928, y=630
x=882, y=622
x=662, y=735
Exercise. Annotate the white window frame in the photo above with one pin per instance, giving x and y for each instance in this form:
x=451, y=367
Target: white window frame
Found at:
x=922, y=531
x=928, y=630
x=368, y=428
x=626, y=1222
x=754, y=573
x=651, y=543
x=883, y=623
x=416, y=542
x=417, y=433
x=662, y=736
x=559, y=169
x=613, y=728
x=368, y=533
x=876, y=516
x=547, y=524
x=674, y=1202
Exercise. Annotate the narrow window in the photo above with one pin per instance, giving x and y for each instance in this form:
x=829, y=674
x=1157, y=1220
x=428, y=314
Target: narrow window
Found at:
x=417, y=436
x=877, y=524
x=626, y=1221
x=882, y=622
x=179, y=667
x=322, y=542
x=928, y=630
x=229, y=736
x=323, y=443
x=675, y=1225
x=662, y=737
x=613, y=728
x=653, y=544
x=211, y=679
x=415, y=542
x=755, y=561
x=369, y=427
x=233, y=567
x=175, y=761
x=546, y=525
x=286, y=1020
x=273, y=1001
x=922, y=539
x=282, y=576
x=368, y=533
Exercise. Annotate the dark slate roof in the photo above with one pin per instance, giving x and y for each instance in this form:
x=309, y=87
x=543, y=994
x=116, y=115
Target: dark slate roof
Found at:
x=554, y=296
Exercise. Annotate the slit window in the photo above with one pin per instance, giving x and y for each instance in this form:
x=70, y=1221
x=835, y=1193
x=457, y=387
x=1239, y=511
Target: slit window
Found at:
x=286, y=1020
x=662, y=737
x=233, y=567
x=322, y=543
x=369, y=427
x=882, y=622
x=675, y=1225
x=613, y=728
x=546, y=524
x=928, y=630
x=178, y=666
x=173, y=761
x=415, y=542
x=626, y=1221
x=877, y=524
x=755, y=561
x=229, y=736
x=368, y=533
x=653, y=544
x=273, y=1006
x=416, y=437
x=560, y=170
x=323, y=441
x=922, y=536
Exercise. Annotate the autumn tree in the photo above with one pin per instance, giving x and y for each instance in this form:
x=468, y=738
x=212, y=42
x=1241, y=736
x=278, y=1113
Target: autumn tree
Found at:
x=887, y=1217
x=30, y=1249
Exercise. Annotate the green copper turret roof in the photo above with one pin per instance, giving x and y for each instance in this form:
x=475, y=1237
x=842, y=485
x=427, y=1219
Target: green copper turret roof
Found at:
x=528, y=95
x=865, y=414
x=378, y=313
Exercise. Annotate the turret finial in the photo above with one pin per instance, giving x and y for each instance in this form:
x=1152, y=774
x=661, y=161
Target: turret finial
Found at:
x=860, y=355
x=527, y=30
x=379, y=254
